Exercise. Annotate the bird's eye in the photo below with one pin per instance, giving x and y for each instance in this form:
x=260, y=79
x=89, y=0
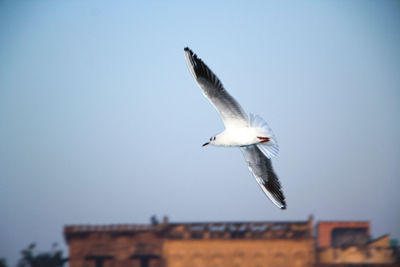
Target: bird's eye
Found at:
x=214, y=138
x=210, y=138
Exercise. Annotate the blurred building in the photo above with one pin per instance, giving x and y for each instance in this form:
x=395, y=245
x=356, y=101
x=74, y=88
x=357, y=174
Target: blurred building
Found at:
x=350, y=243
x=167, y=244
x=233, y=244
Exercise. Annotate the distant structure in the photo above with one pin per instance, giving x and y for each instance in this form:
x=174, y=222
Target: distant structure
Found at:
x=350, y=243
x=233, y=244
x=216, y=244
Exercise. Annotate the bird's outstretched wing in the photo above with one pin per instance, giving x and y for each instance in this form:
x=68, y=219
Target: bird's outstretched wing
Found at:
x=261, y=168
x=229, y=109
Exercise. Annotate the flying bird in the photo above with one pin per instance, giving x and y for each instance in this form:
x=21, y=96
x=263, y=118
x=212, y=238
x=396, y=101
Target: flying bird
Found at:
x=250, y=133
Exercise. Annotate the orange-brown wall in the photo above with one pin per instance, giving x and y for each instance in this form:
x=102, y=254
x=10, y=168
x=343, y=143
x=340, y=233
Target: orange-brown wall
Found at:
x=189, y=252
x=378, y=251
x=121, y=247
x=356, y=254
x=238, y=253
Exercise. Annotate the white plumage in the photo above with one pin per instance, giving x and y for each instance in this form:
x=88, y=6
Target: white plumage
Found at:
x=251, y=133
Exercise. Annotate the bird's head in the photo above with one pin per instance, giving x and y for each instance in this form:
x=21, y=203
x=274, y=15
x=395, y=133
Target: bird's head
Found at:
x=212, y=139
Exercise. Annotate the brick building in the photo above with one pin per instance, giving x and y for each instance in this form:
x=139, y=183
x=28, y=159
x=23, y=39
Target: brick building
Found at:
x=350, y=243
x=167, y=244
x=233, y=244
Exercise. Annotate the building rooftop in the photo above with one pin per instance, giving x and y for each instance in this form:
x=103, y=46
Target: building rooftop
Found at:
x=200, y=230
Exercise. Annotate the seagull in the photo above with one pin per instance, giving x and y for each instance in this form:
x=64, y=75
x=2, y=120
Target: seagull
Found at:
x=250, y=133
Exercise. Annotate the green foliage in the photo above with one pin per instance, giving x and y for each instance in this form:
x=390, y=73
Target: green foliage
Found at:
x=53, y=258
x=3, y=262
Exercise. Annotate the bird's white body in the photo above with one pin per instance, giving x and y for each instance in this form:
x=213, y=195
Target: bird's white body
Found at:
x=247, y=135
x=243, y=136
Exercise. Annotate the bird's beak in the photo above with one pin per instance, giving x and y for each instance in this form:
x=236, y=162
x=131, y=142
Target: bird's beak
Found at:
x=205, y=144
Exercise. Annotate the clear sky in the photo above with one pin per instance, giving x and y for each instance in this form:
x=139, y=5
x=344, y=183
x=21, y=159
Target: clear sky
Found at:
x=101, y=121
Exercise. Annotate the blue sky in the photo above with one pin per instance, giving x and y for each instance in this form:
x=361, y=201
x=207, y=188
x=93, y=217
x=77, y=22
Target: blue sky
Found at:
x=101, y=122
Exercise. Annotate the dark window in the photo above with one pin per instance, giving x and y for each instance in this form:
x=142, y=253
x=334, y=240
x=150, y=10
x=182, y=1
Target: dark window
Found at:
x=98, y=259
x=349, y=236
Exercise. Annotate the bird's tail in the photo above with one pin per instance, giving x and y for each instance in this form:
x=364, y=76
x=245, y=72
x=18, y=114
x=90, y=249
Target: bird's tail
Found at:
x=269, y=148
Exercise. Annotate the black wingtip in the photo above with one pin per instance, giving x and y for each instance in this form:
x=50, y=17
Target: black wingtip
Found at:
x=283, y=208
x=187, y=49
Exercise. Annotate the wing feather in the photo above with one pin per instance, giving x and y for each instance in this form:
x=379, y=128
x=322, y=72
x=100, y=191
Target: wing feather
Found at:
x=261, y=168
x=229, y=109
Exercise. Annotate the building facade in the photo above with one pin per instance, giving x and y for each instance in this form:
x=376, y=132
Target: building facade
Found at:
x=235, y=244
x=350, y=243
